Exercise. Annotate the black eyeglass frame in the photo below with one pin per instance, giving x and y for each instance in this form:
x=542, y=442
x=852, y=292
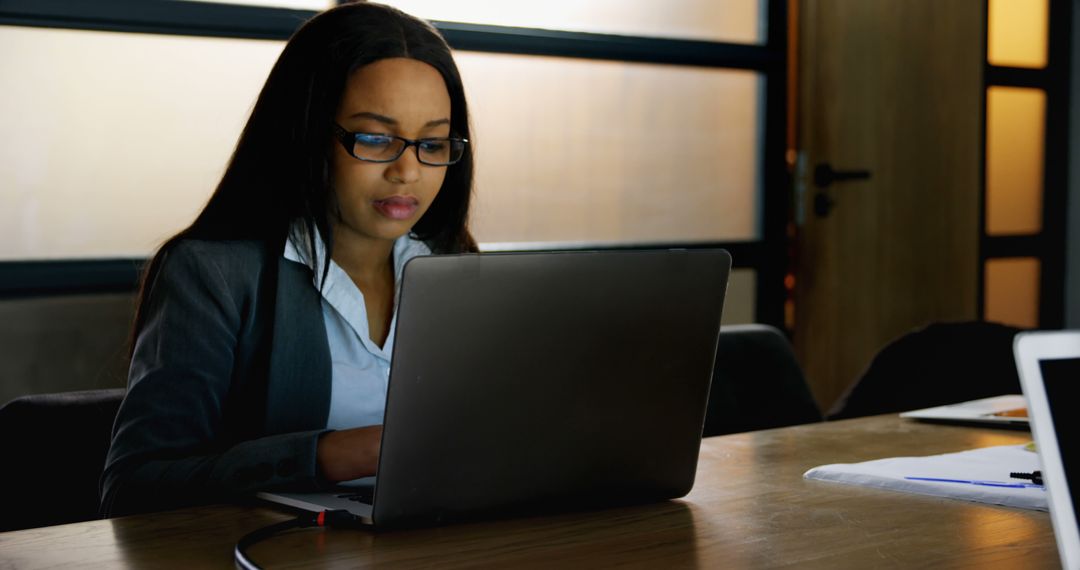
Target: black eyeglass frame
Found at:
x=348, y=141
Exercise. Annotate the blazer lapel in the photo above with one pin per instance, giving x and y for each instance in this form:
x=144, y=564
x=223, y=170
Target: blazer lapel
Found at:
x=298, y=391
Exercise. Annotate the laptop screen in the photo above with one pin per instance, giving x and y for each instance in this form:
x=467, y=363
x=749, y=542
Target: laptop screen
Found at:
x=1061, y=378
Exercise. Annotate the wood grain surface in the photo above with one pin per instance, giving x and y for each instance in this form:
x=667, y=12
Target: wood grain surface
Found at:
x=750, y=508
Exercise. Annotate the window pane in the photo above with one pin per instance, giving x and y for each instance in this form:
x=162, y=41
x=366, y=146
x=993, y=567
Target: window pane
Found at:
x=739, y=302
x=1015, y=131
x=607, y=152
x=1012, y=291
x=113, y=141
x=568, y=150
x=738, y=21
x=1017, y=33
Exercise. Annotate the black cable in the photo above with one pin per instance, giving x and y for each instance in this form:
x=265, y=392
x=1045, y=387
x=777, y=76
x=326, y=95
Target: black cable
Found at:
x=1035, y=477
x=325, y=518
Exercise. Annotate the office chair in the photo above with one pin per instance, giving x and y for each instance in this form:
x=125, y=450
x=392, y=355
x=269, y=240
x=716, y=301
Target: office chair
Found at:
x=942, y=363
x=53, y=447
x=757, y=383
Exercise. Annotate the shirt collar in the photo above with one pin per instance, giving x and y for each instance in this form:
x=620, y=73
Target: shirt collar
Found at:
x=406, y=247
x=339, y=291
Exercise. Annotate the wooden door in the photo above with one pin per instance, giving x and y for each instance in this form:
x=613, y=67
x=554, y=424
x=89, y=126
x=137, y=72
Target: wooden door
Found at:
x=893, y=87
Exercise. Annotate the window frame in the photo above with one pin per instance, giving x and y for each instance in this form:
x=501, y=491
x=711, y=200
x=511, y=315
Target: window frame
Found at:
x=767, y=255
x=1048, y=246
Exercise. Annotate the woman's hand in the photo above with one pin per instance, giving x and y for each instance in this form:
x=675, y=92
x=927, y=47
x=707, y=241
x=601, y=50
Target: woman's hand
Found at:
x=349, y=454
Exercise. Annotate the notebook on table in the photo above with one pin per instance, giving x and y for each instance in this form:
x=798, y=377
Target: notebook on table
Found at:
x=1049, y=367
x=530, y=382
x=1005, y=411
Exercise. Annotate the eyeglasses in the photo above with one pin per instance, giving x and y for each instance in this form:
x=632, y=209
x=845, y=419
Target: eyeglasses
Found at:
x=373, y=147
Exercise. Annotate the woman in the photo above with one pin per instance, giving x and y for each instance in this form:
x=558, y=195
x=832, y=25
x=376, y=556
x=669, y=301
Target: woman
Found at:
x=263, y=332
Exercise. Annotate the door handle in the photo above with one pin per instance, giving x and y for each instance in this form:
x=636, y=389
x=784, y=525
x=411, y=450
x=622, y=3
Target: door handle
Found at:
x=823, y=204
x=824, y=175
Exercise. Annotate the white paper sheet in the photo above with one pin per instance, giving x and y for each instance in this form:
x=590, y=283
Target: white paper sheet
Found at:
x=980, y=468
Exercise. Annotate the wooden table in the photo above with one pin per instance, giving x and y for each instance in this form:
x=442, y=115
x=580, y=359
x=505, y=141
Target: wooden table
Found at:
x=750, y=508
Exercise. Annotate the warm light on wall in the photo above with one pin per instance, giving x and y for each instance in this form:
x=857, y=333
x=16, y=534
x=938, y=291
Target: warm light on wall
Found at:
x=1015, y=131
x=1017, y=33
x=1012, y=291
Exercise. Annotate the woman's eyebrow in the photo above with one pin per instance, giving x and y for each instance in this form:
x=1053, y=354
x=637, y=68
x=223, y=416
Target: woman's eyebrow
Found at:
x=392, y=121
x=375, y=117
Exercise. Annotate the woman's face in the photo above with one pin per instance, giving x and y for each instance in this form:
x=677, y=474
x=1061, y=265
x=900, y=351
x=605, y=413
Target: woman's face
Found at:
x=400, y=97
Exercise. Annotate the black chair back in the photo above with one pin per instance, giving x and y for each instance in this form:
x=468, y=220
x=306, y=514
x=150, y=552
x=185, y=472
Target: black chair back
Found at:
x=943, y=363
x=757, y=383
x=54, y=448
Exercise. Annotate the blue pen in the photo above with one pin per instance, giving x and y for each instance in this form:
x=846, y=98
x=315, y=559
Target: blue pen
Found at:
x=980, y=483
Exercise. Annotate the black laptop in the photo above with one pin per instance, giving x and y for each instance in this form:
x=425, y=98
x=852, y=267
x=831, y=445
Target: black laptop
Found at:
x=536, y=382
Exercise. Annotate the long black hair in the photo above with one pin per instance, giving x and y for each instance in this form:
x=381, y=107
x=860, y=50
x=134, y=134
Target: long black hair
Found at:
x=279, y=173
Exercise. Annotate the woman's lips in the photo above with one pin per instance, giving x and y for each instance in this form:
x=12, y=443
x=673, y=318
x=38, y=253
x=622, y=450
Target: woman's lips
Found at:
x=397, y=207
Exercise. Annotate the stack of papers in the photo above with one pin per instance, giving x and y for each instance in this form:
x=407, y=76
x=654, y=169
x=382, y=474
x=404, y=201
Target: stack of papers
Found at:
x=980, y=475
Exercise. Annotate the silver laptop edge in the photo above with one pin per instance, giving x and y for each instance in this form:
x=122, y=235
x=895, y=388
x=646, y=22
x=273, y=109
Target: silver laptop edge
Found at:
x=1031, y=350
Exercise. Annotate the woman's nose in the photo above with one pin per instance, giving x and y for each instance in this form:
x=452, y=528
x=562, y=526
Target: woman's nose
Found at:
x=406, y=169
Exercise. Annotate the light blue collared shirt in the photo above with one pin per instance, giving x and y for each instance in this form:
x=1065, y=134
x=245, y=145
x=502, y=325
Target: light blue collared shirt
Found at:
x=360, y=368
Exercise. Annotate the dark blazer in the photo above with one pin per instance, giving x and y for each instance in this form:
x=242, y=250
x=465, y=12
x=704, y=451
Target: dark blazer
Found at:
x=229, y=387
